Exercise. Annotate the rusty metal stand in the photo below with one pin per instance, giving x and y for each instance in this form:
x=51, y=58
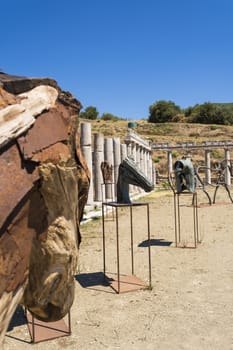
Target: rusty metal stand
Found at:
x=178, y=220
x=43, y=331
x=104, y=187
x=125, y=283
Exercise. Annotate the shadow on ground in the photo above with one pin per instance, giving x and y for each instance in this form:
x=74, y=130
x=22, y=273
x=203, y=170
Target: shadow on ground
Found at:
x=18, y=318
x=156, y=242
x=92, y=279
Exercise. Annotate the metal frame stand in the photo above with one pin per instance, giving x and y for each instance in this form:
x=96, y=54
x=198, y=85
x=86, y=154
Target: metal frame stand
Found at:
x=43, y=331
x=126, y=283
x=194, y=206
x=104, y=191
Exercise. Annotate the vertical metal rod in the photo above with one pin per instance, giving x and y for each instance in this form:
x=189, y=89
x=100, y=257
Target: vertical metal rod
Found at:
x=131, y=231
x=103, y=230
x=112, y=185
x=69, y=322
x=149, y=243
x=197, y=223
x=178, y=209
x=175, y=214
x=194, y=220
x=33, y=330
x=118, y=254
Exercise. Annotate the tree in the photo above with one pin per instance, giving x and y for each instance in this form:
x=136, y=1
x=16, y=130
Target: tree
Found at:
x=89, y=113
x=206, y=113
x=109, y=116
x=227, y=109
x=163, y=111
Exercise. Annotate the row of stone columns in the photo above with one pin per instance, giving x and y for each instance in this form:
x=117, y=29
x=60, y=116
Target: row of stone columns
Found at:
x=96, y=149
x=141, y=151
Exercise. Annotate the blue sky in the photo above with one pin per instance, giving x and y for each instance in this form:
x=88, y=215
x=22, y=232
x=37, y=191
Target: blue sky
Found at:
x=122, y=56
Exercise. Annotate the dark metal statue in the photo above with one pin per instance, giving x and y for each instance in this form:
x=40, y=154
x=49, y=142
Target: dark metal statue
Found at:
x=130, y=174
x=184, y=175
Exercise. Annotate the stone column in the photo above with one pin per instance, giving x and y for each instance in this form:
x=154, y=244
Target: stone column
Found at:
x=117, y=158
x=98, y=159
x=129, y=149
x=123, y=151
x=134, y=151
x=150, y=166
x=227, y=173
x=154, y=176
x=140, y=157
x=144, y=160
x=85, y=144
x=169, y=162
x=137, y=160
x=145, y=157
x=108, y=157
x=207, y=164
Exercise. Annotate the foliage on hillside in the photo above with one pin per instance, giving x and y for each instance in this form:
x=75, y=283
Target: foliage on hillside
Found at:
x=207, y=113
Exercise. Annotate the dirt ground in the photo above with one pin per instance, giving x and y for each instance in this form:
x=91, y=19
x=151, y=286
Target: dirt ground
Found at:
x=190, y=305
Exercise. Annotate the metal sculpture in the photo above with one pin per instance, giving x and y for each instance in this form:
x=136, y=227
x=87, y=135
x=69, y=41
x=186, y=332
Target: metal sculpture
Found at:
x=221, y=170
x=188, y=178
x=184, y=175
x=130, y=174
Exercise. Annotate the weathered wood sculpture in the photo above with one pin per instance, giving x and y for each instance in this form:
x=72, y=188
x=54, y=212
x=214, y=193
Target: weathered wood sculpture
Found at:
x=44, y=184
x=106, y=169
x=130, y=174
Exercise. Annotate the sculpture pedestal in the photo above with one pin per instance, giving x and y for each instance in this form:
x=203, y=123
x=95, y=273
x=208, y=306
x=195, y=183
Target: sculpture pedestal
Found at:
x=125, y=283
x=120, y=282
x=177, y=215
x=43, y=331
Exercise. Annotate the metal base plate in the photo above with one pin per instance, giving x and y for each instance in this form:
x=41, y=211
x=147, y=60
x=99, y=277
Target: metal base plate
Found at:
x=44, y=331
x=221, y=203
x=186, y=245
x=128, y=283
